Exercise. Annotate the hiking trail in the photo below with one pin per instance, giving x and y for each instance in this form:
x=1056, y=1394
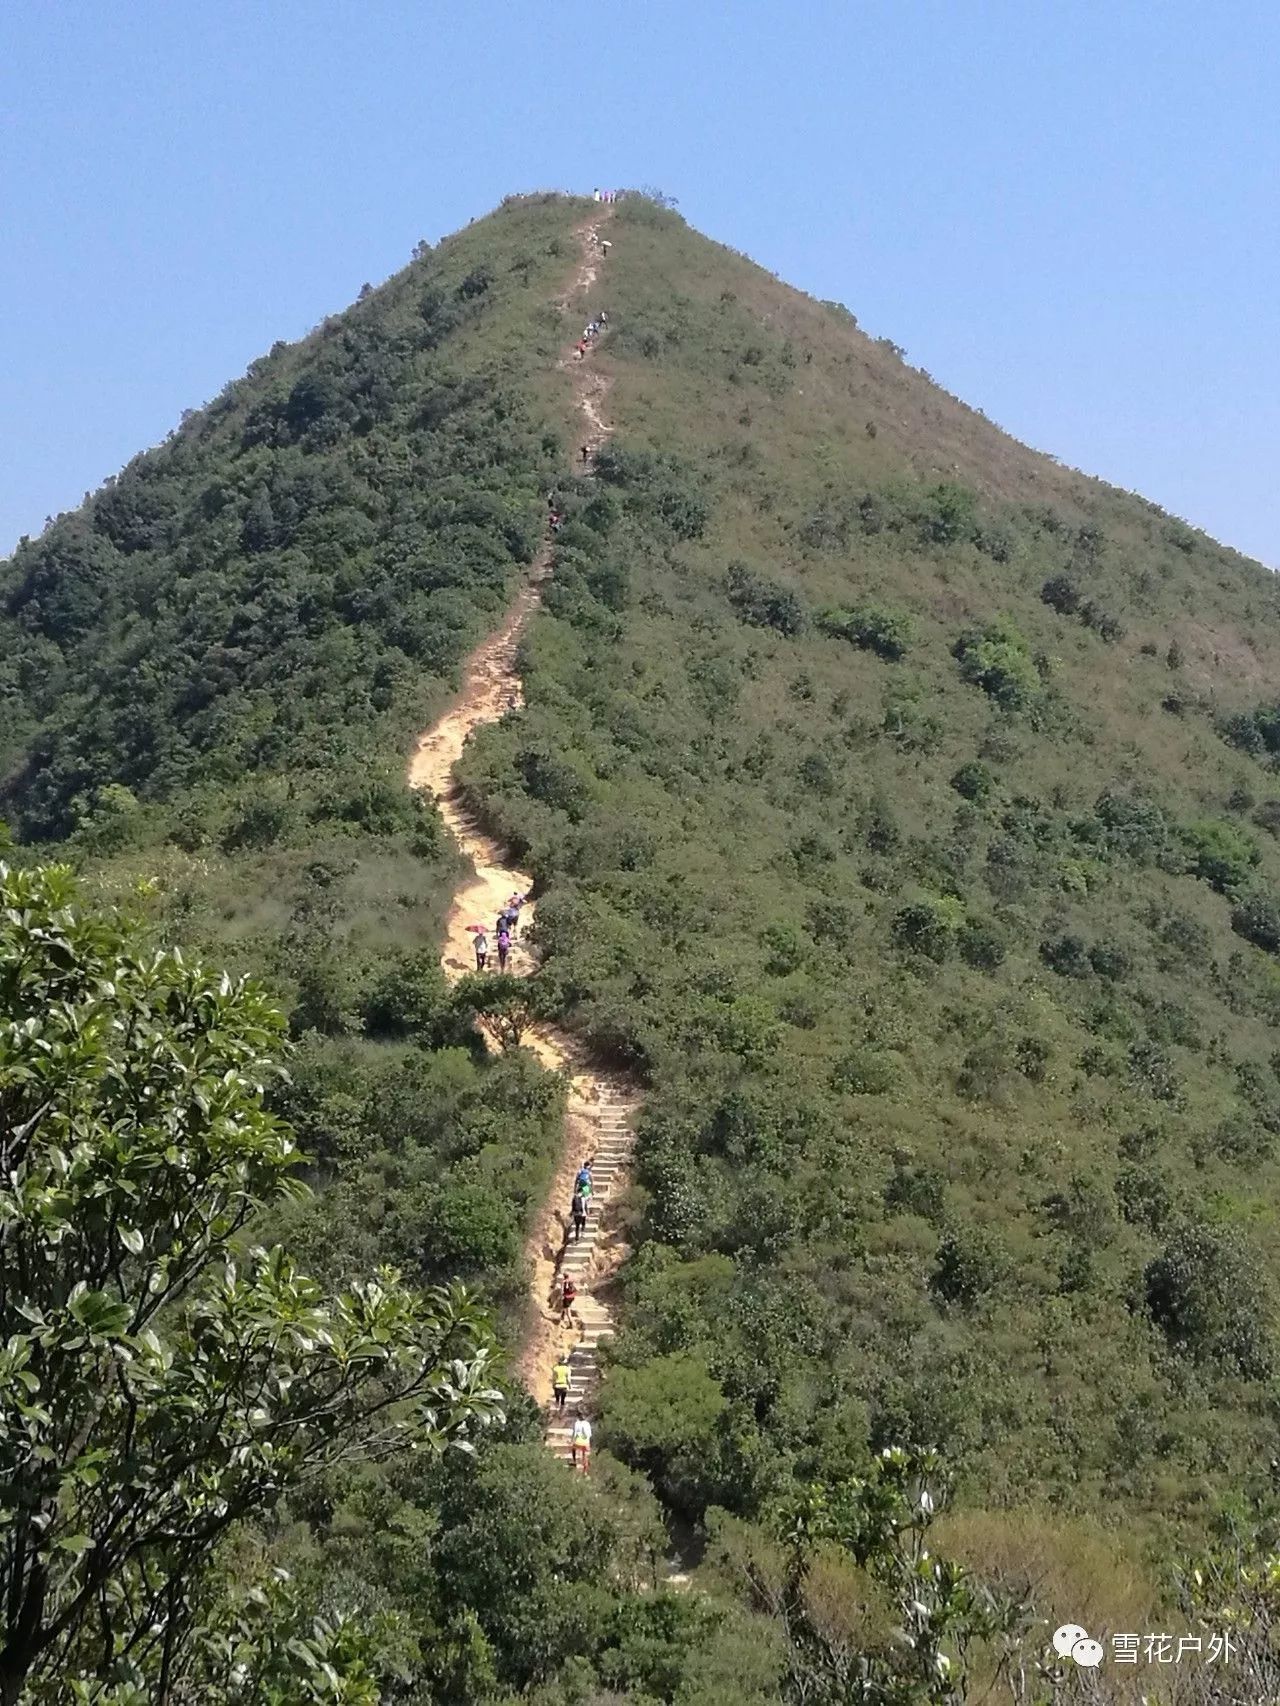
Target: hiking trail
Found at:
x=601, y=1104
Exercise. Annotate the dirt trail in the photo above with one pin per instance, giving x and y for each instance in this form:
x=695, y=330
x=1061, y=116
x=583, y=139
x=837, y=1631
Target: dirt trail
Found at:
x=600, y=1104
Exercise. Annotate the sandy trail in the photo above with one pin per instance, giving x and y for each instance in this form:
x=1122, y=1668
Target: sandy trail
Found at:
x=600, y=1104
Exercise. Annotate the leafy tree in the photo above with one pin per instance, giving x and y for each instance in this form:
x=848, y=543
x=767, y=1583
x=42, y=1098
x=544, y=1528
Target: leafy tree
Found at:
x=930, y=927
x=950, y=513
x=973, y=781
x=996, y=658
x=1062, y=594
x=765, y=602
x=875, y=627
x=154, y=1388
x=1207, y=1293
x=869, y=1612
x=665, y=1419
x=1257, y=919
x=1067, y=954
x=503, y=1005
x=971, y=1262
x=1220, y=853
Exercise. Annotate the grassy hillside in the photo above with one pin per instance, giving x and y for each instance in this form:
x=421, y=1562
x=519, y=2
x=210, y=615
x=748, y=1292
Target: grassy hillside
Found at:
x=903, y=808
x=213, y=670
x=875, y=771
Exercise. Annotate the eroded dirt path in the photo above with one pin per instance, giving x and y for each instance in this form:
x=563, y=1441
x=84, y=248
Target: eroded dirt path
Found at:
x=601, y=1105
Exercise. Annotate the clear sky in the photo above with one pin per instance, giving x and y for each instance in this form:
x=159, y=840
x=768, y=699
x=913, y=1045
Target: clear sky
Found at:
x=1066, y=210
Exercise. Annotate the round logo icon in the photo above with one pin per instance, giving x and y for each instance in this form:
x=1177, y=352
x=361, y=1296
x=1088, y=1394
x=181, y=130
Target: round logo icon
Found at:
x=1064, y=1639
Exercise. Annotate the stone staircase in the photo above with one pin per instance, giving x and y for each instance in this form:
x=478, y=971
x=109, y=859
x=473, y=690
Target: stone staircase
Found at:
x=583, y=1261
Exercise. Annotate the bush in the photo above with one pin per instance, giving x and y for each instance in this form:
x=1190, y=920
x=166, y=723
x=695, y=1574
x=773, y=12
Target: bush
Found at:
x=971, y=1262
x=929, y=927
x=875, y=627
x=1132, y=824
x=1111, y=961
x=982, y=945
x=865, y=1072
x=1067, y=954
x=996, y=658
x=1062, y=594
x=1220, y=853
x=1207, y=1293
x=1257, y=919
x=664, y=1420
x=1254, y=732
x=973, y=781
x=763, y=602
x=409, y=997
x=919, y=1190
x=949, y=514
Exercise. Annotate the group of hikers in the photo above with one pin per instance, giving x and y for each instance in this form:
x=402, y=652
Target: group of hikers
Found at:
x=561, y=1374
x=580, y=1433
x=590, y=332
x=581, y=1196
x=504, y=932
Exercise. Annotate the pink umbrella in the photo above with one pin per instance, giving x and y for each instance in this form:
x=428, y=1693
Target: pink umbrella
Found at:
x=476, y=929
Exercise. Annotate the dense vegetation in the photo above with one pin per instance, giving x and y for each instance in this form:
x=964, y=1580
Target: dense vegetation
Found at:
x=212, y=671
x=904, y=813
x=887, y=827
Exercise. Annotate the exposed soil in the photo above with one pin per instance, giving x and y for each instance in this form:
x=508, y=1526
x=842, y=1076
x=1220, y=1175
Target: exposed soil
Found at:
x=600, y=1103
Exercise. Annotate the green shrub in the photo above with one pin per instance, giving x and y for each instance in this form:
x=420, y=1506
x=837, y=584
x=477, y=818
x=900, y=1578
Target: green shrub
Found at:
x=1062, y=594
x=409, y=997
x=1067, y=954
x=1208, y=1295
x=982, y=944
x=973, y=781
x=865, y=1072
x=875, y=627
x=929, y=927
x=1220, y=853
x=971, y=1263
x=764, y=602
x=948, y=514
x=917, y=1189
x=996, y=658
x=1257, y=919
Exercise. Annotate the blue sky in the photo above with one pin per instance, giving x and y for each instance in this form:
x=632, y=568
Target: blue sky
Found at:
x=1064, y=210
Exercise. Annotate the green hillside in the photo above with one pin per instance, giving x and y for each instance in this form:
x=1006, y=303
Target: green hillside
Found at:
x=875, y=769
x=903, y=809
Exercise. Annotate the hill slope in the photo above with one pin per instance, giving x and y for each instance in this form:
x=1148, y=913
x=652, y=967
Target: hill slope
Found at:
x=901, y=808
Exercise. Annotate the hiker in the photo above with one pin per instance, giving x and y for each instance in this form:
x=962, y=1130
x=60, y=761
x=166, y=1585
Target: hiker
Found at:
x=604, y=248
x=580, y=349
x=482, y=950
x=583, y=1181
x=504, y=948
x=595, y=195
x=568, y=1297
x=604, y=319
x=578, y=1209
x=580, y=1443
x=586, y=454
x=560, y=1382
